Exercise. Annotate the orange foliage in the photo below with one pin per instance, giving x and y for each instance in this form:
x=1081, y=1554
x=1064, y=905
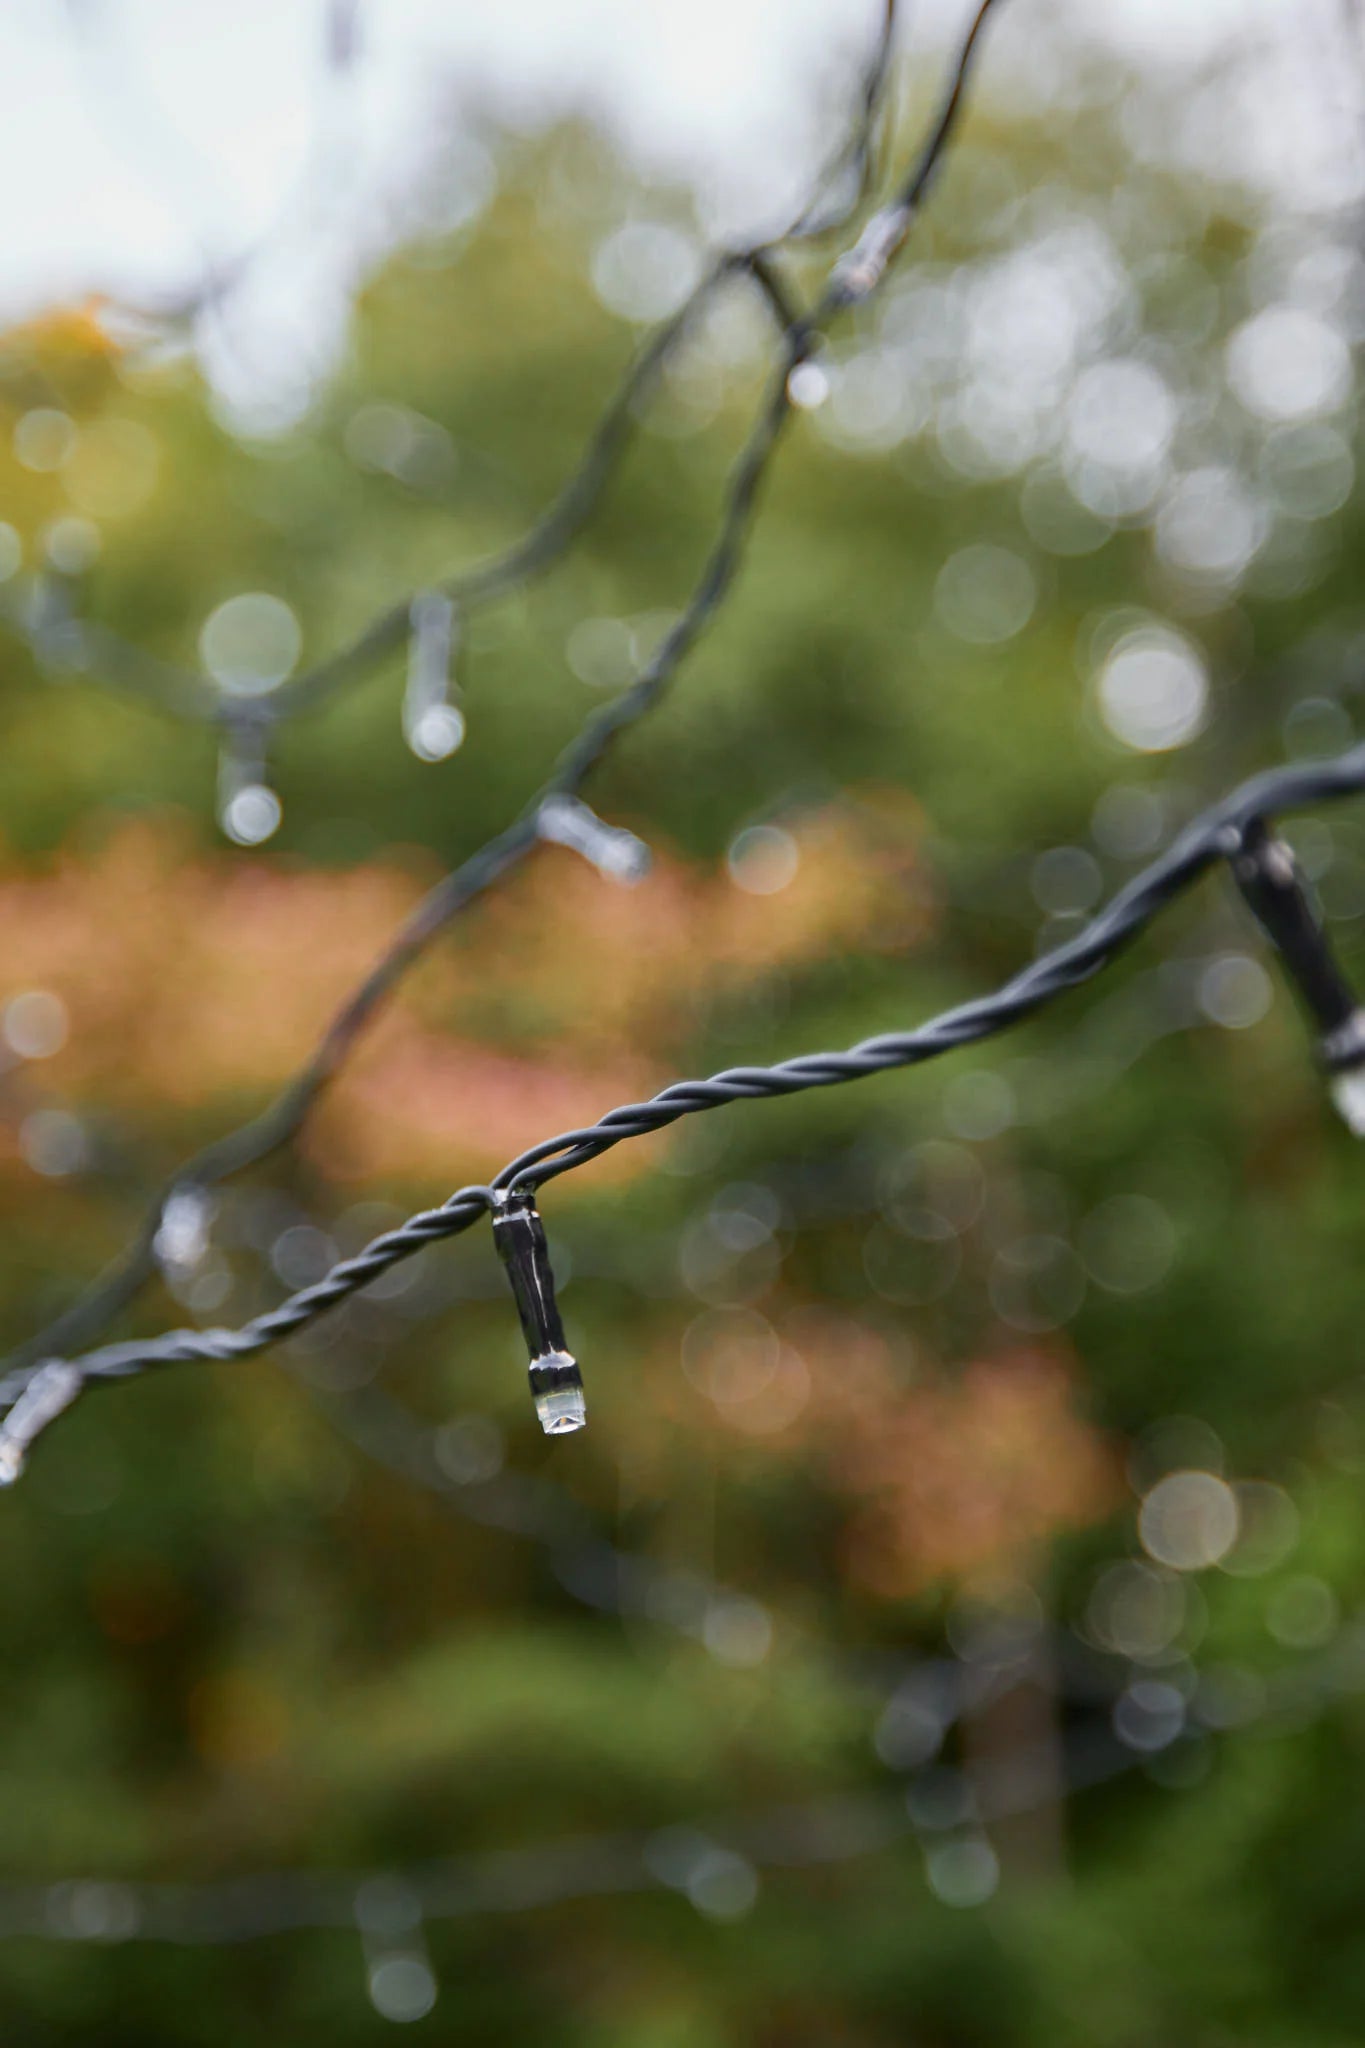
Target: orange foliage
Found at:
x=199, y=982
x=957, y=1475
x=71, y=331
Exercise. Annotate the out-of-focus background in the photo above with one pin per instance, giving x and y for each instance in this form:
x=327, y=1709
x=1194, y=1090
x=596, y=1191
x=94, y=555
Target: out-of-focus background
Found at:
x=949, y=1628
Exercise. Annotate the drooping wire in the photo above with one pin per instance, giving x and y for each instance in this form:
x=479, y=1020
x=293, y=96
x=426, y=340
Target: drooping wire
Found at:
x=276, y=1126
x=1208, y=839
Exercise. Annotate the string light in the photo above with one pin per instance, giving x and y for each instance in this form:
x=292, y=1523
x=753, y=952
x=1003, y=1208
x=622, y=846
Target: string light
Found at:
x=613, y=851
x=182, y=1236
x=556, y=1383
x=183, y=693
x=947, y=1808
x=1279, y=895
x=51, y=1389
x=433, y=725
x=248, y=809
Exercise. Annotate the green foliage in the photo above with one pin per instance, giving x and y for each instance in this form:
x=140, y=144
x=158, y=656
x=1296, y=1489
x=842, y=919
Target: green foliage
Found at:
x=233, y=1644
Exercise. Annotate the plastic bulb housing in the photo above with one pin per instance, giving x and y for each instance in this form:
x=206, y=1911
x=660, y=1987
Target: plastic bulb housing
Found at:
x=433, y=725
x=556, y=1383
x=611, y=849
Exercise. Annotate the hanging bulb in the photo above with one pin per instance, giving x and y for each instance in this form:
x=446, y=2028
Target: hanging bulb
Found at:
x=1274, y=886
x=54, y=1386
x=248, y=808
x=857, y=275
x=614, y=852
x=556, y=1384
x=398, y=1973
x=182, y=1236
x=433, y=726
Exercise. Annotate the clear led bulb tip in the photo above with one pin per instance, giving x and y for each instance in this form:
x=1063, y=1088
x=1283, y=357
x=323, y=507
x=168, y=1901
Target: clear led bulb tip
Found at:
x=557, y=1390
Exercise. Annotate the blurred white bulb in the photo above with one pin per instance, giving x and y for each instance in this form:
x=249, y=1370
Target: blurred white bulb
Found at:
x=251, y=814
x=437, y=733
x=807, y=386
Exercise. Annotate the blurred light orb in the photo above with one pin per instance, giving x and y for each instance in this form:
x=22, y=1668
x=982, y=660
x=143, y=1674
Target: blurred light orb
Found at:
x=722, y=1885
x=744, y=1214
x=34, y=1024
x=874, y=402
x=915, y=1263
x=1036, y=1284
x=737, y=1631
x=644, y=270
x=807, y=386
x=1303, y=1613
x=1120, y=421
x=437, y=733
x=1055, y=518
x=722, y=1263
x=1189, y=1520
x=113, y=468
x=730, y=1355
x=1308, y=469
x=944, y=1178
x=54, y=1143
x=988, y=431
x=978, y=1106
x=250, y=643
x=1128, y=821
x=72, y=545
x=962, y=1873
x=1153, y=691
x=252, y=814
x=1127, y=1244
x=1317, y=727
x=1149, y=1715
x=205, y=1290
x=1176, y=1443
x=1065, y=878
x=763, y=859
x=1136, y=1611
x=302, y=1254
x=402, y=1988
x=1229, y=1696
x=11, y=551
x=602, y=652
x=1269, y=1529
x=1286, y=363
x=1209, y=526
x=985, y=594
x=44, y=439
x=469, y=1450
x=910, y=1731
x=1235, y=991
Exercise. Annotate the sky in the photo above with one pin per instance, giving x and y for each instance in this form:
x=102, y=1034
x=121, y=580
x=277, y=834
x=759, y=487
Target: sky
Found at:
x=142, y=139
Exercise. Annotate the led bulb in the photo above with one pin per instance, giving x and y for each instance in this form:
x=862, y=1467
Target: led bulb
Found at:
x=432, y=725
x=557, y=1390
x=1348, y=1093
x=251, y=814
x=556, y=1384
x=248, y=809
x=437, y=734
x=614, y=852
